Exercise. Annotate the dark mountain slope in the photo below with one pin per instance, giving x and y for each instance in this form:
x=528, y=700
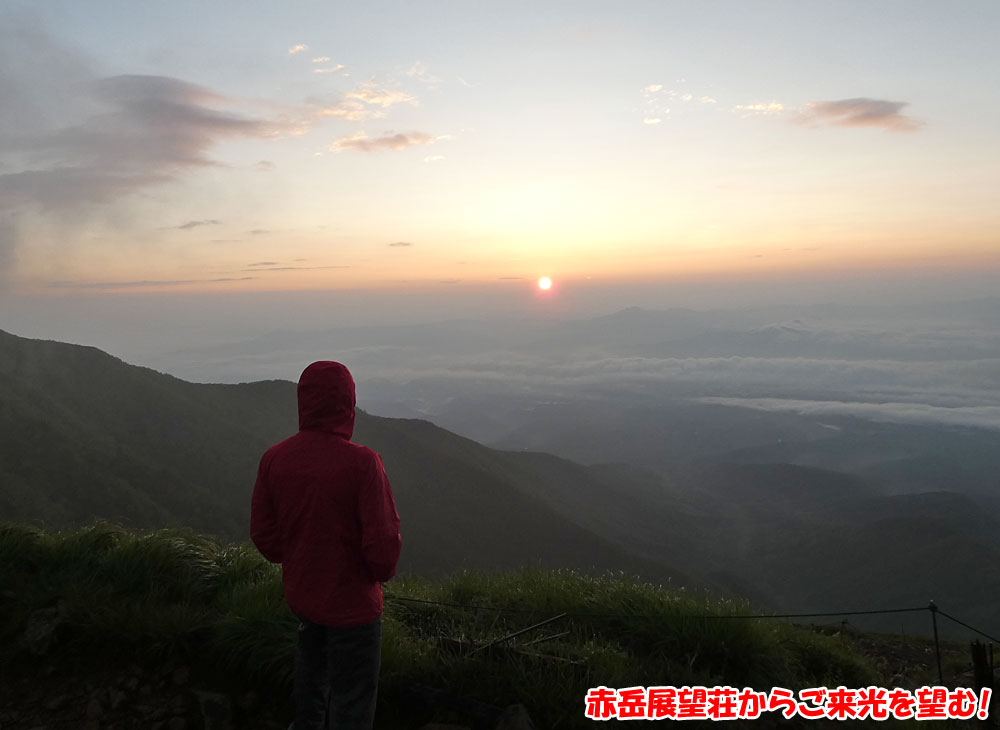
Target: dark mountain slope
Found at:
x=86, y=436
x=897, y=551
x=799, y=539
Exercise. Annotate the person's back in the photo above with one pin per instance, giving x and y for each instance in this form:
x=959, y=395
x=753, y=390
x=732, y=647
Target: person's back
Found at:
x=323, y=508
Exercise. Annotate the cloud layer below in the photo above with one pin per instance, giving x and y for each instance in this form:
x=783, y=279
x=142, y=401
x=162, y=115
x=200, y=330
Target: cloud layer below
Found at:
x=914, y=413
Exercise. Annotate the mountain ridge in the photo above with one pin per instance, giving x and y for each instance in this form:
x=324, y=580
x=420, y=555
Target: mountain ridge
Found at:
x=148, y=450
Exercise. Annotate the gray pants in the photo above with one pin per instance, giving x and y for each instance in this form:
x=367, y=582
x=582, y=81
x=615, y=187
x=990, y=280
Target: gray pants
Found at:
x=336, y=676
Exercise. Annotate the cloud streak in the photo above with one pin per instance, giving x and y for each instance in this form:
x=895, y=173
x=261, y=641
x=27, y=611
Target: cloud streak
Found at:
x=195, y=224
x=361, y=142
x=72, y=141
x=760, y=108
x=140, y=131
x=420, y=72
x=292, y=268
x=372, y=94
x=141, y=284
x=148, y=131
x=915, y=413
x=349, y=109
x=861, y=112
x=366, y=101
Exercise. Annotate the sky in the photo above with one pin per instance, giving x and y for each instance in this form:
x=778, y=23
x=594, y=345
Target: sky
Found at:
x=436, y=159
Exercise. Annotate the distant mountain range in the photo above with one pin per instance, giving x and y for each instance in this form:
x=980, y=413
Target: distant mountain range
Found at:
x=85, y=436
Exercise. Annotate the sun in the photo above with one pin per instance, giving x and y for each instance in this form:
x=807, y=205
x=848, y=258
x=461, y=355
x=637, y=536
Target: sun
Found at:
x=545, y=283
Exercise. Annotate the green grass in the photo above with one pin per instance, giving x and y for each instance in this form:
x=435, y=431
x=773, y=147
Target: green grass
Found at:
x=148, y=596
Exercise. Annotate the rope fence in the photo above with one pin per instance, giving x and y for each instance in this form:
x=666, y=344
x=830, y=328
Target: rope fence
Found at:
x=504, y=609
x=931, y=608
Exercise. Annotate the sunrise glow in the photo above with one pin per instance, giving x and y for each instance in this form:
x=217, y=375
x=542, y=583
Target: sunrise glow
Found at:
x=545, y=283
x=354, y=154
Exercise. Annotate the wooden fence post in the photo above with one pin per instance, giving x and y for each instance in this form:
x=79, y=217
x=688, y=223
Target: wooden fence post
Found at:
x=982, y=667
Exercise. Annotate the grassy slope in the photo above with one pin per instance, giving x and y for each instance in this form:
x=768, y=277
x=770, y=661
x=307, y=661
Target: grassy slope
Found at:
x=147, y=597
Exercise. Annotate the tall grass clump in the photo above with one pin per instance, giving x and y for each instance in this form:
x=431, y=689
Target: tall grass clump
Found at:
x=618, y=632
x=173, y=594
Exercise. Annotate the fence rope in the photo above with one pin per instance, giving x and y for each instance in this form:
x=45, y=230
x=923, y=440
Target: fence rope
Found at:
x=971, y=628
x=571, y=614
x=932, y=608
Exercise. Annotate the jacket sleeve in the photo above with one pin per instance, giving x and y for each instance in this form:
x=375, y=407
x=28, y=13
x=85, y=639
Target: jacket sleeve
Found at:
x=380, y=540
x=264, y=529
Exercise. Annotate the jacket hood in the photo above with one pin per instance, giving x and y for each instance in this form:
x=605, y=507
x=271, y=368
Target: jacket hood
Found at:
x=326, y=399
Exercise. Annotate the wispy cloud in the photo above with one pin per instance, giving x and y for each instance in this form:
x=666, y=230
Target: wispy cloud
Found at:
x=263, y=263
x=196, y=224
x=653, y=90
x=760, y=108
x=363, y=143
x=349, y=109
x=321, y=59
x=366, y=101
x=657, y=98
x=434, y=158
x=400, y=244
x=419, y=72
x=141, y=284
x=861, y=112
x=330, y=69
x=152, y=127
x=79, y=142
x=371, y=93
x=297, y=49
x=294, y=268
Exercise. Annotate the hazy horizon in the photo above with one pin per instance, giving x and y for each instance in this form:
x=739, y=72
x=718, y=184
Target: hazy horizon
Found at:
x=225, y=194
x=460, y=152
x=138, y=325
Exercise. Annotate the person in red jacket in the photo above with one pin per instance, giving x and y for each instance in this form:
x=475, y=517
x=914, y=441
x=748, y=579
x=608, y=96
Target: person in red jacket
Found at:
x=322, y=507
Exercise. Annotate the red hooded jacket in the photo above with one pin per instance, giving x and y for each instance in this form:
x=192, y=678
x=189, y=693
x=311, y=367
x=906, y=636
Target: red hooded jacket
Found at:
x=323, y=508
